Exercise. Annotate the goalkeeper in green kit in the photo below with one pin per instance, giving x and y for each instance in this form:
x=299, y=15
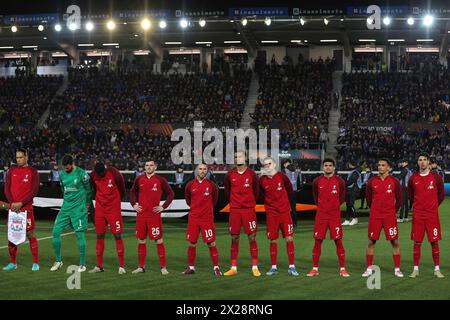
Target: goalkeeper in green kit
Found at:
x=77, y=194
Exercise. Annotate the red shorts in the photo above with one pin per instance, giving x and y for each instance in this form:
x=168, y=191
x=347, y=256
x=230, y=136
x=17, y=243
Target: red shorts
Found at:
x=30, y=220
x=321, y=226
x=245, y=217
x=149, y=225
x=429, y=224
x=275, y=223
x=389, y=224
x=102, y=220
x=207, y=228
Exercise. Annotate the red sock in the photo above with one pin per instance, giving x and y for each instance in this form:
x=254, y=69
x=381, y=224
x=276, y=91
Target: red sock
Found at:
x=435, y=252
x=317, y=251
x=191, y=256
x=273, y=253
x=369, y=260
x=214, y=255
x=234, y=253
x=290, y=248
x=254, y=252
x=99, y=249
x=142, y=253
x=12, y=249
x=397, y=260
x=120, y=251
x=340, y=251
x=416, y=253
x=34, y=249
x=161, y=254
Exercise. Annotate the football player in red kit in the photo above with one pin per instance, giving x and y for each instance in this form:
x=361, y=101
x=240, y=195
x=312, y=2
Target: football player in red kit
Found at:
x=242, y=189
x=145, y=197
x=21, y=186
x=109, y=188
x=201, y=196
x=329, y=194
x=276, y=189
x=426, y=192
x=384, y=198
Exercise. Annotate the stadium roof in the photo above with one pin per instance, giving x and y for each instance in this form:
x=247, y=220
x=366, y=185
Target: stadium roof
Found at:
x=347, y=24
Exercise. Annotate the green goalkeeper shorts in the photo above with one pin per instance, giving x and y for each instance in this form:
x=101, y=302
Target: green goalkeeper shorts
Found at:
x=76, y=220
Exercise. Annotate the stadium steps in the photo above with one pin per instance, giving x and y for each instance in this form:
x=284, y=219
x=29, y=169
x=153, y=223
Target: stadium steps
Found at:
x=335, y=115
x=58, y=93
x=250, y=105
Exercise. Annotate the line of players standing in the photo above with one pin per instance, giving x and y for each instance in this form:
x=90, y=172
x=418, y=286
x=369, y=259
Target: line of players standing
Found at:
x=243, y=187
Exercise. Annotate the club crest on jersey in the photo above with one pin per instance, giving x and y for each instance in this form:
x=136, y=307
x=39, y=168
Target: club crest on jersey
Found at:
x=431, y=185
x=75, y=181
x=155, y=187
x=279, y=186
x=247, y=185
x=110, y=185
x=334, y=191
x=389, y=190
x=26, y=178
x=206, y=191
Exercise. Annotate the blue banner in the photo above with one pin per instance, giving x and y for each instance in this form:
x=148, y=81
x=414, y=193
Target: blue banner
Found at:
x=447, y=189
x=138, y=14
x=31, y=18
x=264, y=11
x=392, y=11
x=199, y=13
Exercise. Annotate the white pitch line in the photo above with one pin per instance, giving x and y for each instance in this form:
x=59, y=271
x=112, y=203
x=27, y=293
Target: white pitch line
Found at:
x=50, y=237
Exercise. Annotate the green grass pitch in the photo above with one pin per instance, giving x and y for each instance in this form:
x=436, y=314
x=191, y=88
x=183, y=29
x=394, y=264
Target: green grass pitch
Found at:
x=25, y=284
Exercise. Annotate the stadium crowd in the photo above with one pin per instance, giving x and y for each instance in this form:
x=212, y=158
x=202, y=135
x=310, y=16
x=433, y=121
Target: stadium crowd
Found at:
x=300, y=92
x=23, y=99
x=107, y=114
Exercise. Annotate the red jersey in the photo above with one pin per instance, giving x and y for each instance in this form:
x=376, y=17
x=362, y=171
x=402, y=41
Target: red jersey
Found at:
x=201, y=197
x=384, y=197
x=150, y=191
x=329, y=194
x=426, y=192
x=276, y=191
x=242, y=188
x=22, y=185
x=109, y=189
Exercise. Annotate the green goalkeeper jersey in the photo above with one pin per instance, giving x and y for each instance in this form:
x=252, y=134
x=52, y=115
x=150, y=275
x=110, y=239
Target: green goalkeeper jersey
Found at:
x=76, y=190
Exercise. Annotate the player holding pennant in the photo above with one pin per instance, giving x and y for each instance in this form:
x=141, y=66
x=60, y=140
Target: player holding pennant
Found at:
x=22, y=185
